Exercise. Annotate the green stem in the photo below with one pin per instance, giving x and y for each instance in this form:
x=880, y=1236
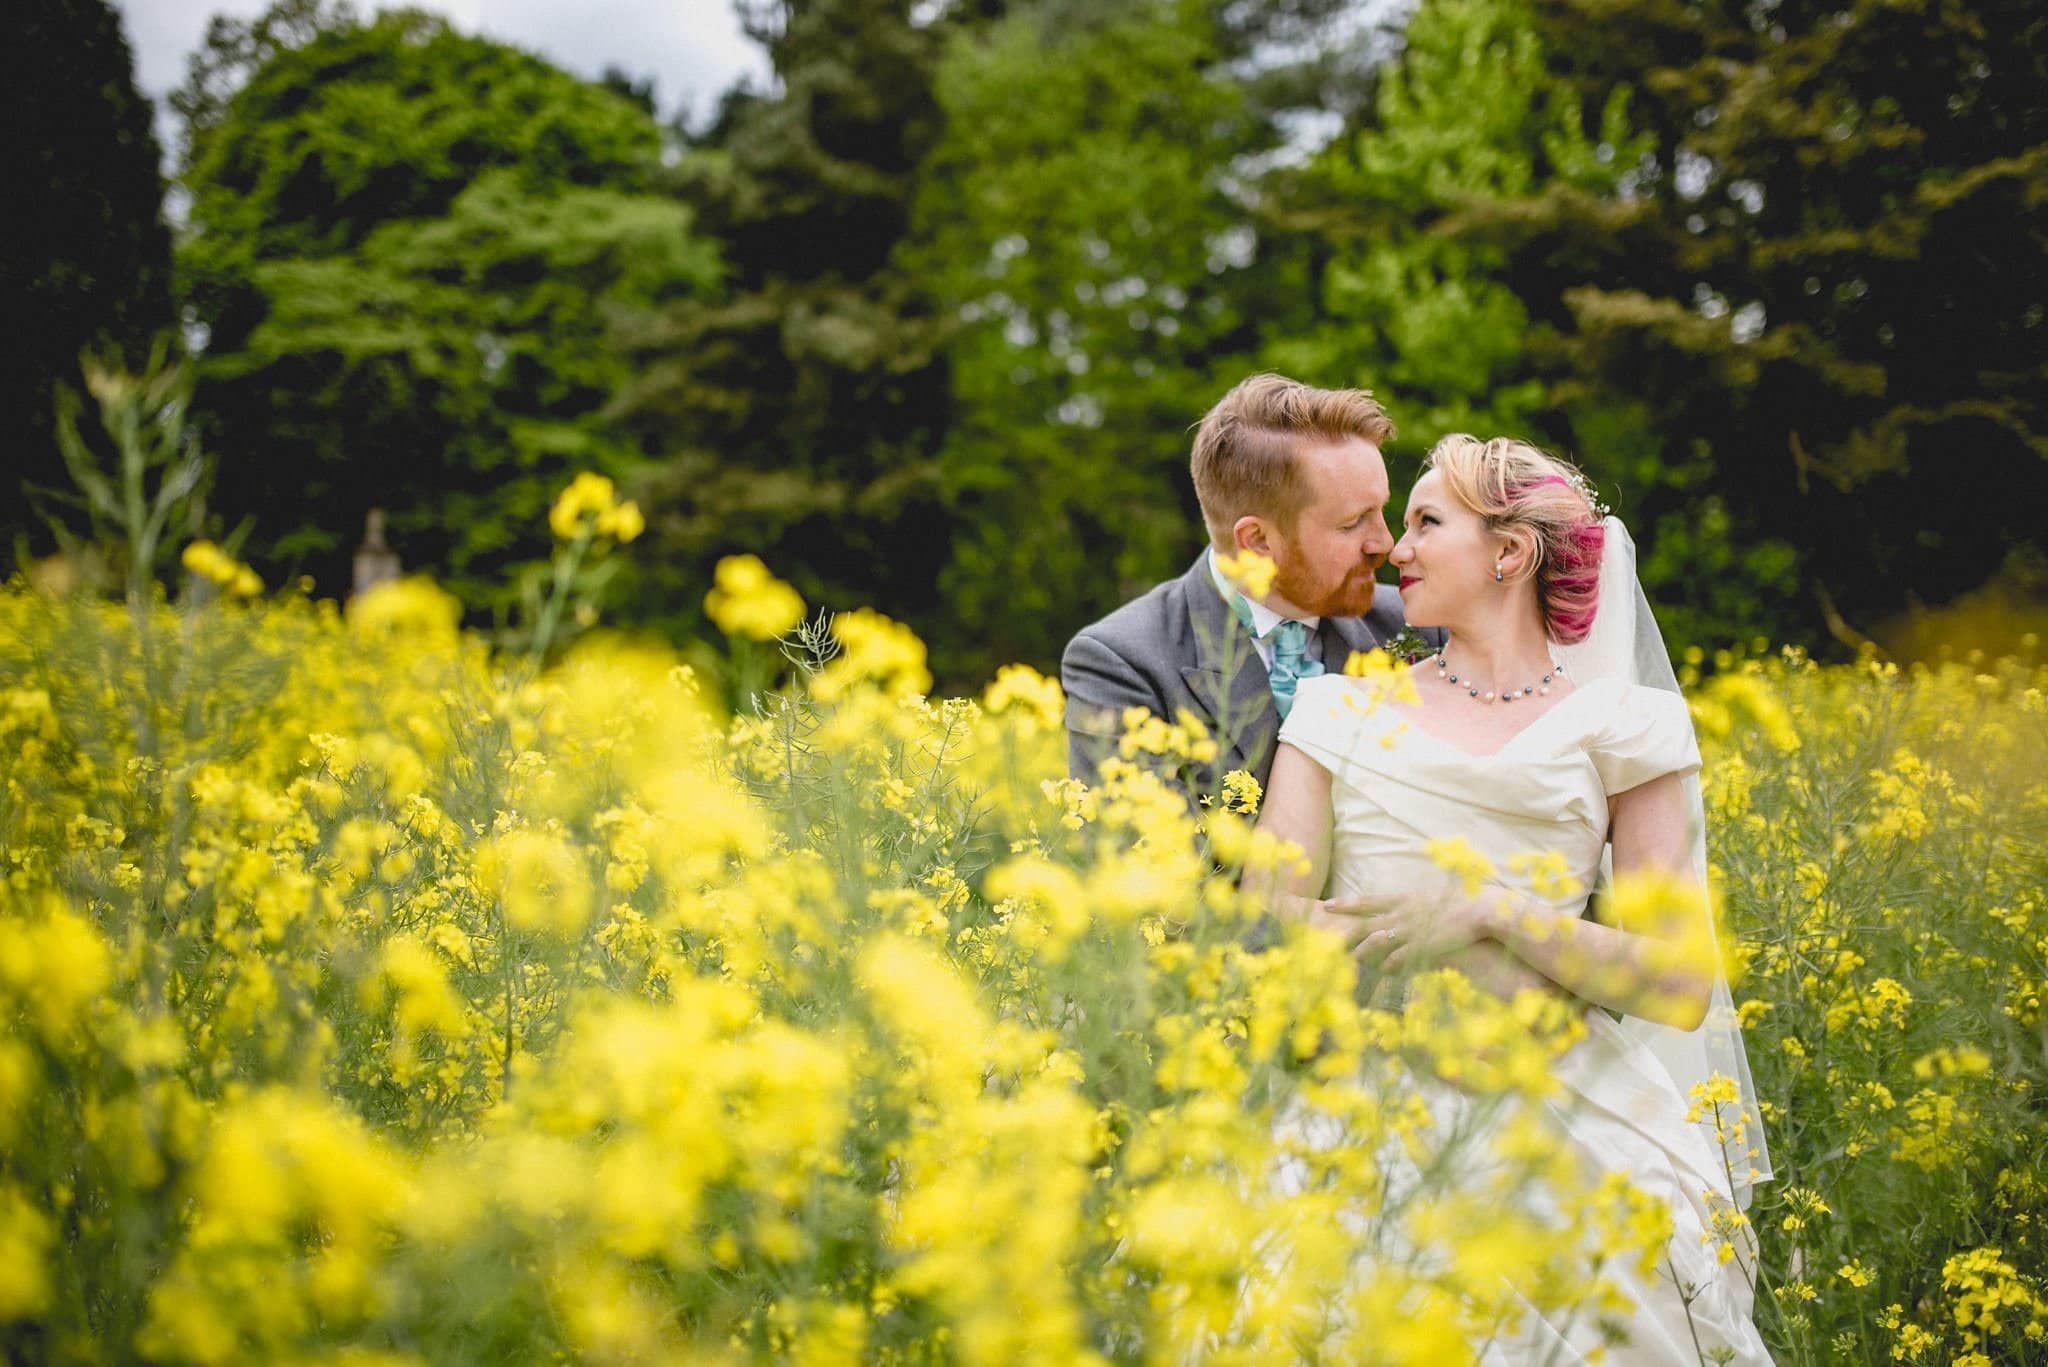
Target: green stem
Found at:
x=505, y=961
x=566, y=565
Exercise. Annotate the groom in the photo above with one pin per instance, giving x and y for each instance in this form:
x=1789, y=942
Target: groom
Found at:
x=1291, y=473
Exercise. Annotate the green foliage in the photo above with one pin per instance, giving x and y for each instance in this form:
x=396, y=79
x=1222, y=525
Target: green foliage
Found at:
x=926, y=324
x=1078, y=222
x=84, y=257
x=411, y=247
x=362, y=124
x=1486, y=189
x=1467, y=114
x=1817, y=291
x=135, y=510
x=1095, y=224
x=798, y=415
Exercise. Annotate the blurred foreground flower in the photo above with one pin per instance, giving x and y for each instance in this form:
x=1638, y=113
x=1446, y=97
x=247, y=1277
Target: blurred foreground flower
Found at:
x=1386, y=677
x=540, y=879
x=749, y=601
x=873, y=649
x=1023, y=690
x=216, y=566
x=1251, y=572
x=414, y=605
x=590, y=502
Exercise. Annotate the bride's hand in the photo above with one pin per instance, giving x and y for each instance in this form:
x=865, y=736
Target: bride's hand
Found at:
x=1342, y=918
x=1407, y=933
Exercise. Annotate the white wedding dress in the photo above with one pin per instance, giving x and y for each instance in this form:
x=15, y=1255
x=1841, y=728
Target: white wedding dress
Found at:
x=1395, y=787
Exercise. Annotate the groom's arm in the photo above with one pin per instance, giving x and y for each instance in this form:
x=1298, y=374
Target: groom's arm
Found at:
x=1099, y=684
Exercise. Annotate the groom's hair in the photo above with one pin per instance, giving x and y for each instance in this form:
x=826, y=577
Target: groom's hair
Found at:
x=1244, y=456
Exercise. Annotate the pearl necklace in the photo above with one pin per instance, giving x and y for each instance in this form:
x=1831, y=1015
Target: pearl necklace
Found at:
x=1443, y=669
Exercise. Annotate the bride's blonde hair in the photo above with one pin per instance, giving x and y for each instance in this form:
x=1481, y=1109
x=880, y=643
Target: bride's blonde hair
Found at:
x=1542, y=504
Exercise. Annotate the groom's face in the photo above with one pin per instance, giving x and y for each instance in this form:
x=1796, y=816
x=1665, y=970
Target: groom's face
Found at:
x=1325, y=562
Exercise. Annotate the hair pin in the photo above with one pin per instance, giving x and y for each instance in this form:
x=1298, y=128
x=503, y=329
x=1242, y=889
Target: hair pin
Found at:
x=1586, y=491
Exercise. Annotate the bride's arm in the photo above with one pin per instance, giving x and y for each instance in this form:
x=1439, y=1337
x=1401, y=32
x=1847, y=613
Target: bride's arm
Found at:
x=1661, y=974
x=1297, y=808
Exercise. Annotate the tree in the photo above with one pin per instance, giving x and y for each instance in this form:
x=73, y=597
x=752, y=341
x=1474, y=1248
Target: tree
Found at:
x=231, y=54
x=85, y=260
x=1831, y=288
x=799, y=414
x=1077, y=225
x=1483, y=189
x=410, y=248
x=1092, y=223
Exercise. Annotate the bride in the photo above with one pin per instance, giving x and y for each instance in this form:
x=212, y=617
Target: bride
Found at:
x=1549, y=724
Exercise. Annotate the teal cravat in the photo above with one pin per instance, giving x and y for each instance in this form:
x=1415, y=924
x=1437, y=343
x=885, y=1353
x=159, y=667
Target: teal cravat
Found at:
x=1291, y=663
x=1291, y=660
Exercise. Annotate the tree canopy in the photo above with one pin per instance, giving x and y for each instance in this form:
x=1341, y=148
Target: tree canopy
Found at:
x=409, y=248
x=1092, y=221
x=925, y=321
x=85, y=260
x=1825, y=287
x=798, y=414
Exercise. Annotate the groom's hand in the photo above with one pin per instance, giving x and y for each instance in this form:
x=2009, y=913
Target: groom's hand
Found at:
x=1348, y=926
x=1346, y=917
x=1405, y=934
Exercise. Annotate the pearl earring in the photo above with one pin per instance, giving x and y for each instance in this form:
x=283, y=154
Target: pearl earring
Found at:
x=1496, y=573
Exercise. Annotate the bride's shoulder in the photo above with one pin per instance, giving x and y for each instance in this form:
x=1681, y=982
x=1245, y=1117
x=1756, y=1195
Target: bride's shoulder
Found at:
x=1636, y=732
x=1645, y=702
x=1616, y=707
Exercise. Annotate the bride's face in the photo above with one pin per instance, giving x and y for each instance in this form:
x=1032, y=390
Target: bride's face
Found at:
x=1444, y=556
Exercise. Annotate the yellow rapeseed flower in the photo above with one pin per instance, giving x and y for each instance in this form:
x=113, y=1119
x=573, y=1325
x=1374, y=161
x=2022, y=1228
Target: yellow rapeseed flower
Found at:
x=1251, y=572
x=582, y=502
x=1456, y=856
x=1991, y=1298
x=52, y=966
x=621, y=522
x=412, y=606
x=1241, y=792
x=1052, y=892
x=877, y=650
x=215, y=565
x=1549, y=874
x=747, y=600
x=541, y=880
x=25, y=1236
x=1946, y=1062
x=590, y=503
x=1021, y=690
x=1386, y=678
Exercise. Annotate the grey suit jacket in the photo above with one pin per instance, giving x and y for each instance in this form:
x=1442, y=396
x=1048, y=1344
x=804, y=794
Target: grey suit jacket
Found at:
x=1179, y=646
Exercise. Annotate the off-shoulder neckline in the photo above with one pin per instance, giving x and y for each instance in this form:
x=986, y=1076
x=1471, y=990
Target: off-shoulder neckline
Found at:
x=1406, y=718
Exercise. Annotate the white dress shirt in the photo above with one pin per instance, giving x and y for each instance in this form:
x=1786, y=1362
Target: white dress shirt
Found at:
x=1264, y=619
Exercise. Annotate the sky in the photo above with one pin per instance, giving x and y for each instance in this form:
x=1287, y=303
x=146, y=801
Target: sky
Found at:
x=693, y=49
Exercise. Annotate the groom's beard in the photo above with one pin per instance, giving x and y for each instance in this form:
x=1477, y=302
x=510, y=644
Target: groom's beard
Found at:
x=1348, y=596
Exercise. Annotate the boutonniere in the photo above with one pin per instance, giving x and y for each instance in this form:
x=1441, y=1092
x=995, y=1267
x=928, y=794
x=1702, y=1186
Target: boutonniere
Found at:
x=1408, y=645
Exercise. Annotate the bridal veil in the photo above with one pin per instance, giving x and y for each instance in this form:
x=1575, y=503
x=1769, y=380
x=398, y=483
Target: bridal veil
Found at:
x=1625, y=643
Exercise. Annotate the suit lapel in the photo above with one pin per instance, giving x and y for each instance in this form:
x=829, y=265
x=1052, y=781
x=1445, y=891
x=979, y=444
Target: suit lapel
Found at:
x=1340, y=636
x=1240, y=714
x=1228, y=679
x=1230, y=684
